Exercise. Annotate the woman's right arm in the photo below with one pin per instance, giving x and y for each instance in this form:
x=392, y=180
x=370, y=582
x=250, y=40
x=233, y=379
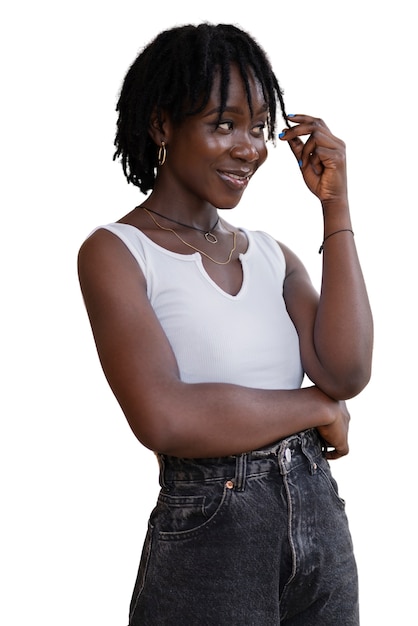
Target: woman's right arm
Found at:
x=165, y=414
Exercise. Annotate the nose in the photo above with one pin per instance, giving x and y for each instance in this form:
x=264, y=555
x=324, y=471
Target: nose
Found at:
x=245, y=150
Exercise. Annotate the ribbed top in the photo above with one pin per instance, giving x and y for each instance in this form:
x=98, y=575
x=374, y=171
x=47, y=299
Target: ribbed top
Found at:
x=247, y=339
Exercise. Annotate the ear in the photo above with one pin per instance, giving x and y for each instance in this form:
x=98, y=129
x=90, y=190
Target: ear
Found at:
x=159, y=127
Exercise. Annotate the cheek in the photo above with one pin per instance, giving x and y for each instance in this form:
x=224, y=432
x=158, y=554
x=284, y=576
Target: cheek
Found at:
x=217, y=144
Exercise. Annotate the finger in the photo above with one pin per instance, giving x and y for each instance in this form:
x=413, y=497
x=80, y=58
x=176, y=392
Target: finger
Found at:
x=321, y=136
x=336, y=453
x=315, y=162
x=297, y=146
x=310, y=156
x=331, y=455
x=325, y=158
x=300, y=118
x=307, y=154
x=306, y=124
x=321, y=151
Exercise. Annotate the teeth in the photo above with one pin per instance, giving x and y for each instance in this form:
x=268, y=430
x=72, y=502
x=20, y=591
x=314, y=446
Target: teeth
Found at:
x=237, y=176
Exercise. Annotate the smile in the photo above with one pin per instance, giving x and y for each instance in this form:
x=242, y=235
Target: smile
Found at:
x=235, y=181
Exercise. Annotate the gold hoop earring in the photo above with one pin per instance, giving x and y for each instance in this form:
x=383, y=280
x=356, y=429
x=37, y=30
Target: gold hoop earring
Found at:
x=162, y=154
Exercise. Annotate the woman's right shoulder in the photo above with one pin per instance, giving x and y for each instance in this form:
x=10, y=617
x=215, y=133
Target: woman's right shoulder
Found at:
x=113, y=240
x=98, y=245
x=104, y=234
x=108, y=255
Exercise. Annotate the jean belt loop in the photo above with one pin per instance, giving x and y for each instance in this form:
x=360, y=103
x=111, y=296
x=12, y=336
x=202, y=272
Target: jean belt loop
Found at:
x=284, y=457
x=240, y=471
x=308, y=454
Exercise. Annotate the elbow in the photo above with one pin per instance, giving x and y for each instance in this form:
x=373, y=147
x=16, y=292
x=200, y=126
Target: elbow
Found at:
x=158, y=431
x=358, y=374
x=153, y=437
x=346, y=374
x=162, y=421
x=349, y=384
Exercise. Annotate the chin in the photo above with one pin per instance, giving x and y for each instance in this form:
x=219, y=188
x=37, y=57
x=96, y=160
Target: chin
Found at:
x=229, y=204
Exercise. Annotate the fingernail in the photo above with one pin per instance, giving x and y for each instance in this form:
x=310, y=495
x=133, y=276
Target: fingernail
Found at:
x=290, y=115
x=281, y=135
x=300, y=162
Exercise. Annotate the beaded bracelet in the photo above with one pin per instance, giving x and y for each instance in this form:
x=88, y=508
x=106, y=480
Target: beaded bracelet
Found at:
x=342, y=230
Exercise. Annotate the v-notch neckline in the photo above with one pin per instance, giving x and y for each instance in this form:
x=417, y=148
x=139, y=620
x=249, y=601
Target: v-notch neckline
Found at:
x=241, y=259
x=198, y=259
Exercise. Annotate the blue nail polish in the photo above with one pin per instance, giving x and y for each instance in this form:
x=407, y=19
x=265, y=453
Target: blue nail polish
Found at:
x=281, y=135
x=290, y=115
x=300, y=163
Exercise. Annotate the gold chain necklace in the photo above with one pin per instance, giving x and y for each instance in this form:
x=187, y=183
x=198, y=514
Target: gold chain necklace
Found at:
x=189, y=245
x=208, y=234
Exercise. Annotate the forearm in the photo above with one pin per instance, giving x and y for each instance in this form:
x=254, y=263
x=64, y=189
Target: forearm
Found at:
x=343, y=331
x=205, y=420
x=337, y=343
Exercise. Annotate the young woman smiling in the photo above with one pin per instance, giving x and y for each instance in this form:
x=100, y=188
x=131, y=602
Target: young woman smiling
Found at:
x=204, y=332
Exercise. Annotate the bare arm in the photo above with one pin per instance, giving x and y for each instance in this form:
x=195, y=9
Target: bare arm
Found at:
x=166, y=414
x=336, y=330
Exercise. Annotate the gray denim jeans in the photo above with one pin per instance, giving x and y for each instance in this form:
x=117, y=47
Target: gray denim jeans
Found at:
x=258, y=539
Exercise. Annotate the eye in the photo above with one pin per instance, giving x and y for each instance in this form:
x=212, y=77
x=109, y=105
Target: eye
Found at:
x=225, y=125
x=259, y=129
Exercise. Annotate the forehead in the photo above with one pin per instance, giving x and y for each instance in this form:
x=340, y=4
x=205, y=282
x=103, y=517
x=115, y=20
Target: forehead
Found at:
x=238, y=87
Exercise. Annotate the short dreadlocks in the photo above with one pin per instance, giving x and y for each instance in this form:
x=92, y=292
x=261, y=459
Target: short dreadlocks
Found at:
x=175, y=74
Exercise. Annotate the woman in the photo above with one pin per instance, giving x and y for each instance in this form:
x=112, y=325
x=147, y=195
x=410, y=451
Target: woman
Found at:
x=205, y=331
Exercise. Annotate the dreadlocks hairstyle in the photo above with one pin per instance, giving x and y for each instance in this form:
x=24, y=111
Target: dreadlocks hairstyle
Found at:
x=175, y=74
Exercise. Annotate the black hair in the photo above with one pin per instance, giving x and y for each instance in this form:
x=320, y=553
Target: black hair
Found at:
x=175, y=74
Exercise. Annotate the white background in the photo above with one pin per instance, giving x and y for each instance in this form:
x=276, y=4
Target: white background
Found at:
x=76, y=487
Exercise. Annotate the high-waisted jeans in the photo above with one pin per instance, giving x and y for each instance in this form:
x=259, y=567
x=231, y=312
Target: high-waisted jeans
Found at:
x=258, y=539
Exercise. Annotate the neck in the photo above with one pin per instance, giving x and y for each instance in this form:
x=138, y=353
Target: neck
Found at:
x=202, y=217
x=206, y=231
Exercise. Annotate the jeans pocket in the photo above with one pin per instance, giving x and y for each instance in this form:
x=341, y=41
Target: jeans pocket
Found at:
x=142, y=572
x=180, y=515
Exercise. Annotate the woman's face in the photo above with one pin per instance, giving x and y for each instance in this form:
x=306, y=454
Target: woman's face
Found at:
x=211, y=161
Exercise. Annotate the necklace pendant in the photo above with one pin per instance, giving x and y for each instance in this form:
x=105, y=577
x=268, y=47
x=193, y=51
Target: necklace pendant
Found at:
x=210, y=237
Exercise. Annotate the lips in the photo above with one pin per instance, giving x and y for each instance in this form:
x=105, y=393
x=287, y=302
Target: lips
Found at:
x=237, y=180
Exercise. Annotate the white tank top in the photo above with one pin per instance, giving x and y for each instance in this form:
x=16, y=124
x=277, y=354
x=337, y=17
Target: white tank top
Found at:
x=247, y=339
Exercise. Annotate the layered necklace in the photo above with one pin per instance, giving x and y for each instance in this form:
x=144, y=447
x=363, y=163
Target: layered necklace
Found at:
x=208, y=234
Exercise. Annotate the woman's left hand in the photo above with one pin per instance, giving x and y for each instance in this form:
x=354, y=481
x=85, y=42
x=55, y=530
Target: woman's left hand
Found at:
x=321, y=158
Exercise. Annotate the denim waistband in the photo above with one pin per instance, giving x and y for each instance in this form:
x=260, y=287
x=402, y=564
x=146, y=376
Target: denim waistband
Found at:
x=284, y=455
